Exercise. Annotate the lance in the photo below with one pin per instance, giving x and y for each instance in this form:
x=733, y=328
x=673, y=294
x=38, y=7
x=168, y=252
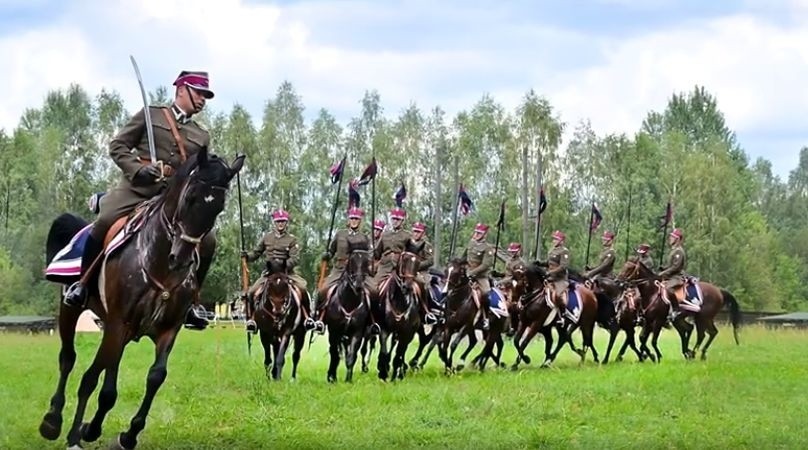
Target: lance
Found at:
x=245, y=271
x=324, y=264
x=500, y=224
x=589, y=240
x=628, y=226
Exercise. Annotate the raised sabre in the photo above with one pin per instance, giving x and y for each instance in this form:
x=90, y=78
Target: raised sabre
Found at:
x=147, y=114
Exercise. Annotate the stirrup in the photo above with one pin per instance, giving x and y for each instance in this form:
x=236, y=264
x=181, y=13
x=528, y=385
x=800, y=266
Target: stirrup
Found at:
x=309, y=324
x=252, y=326
x=319, y=327
x=75, y=295
x=430, y=319
x=375, y=329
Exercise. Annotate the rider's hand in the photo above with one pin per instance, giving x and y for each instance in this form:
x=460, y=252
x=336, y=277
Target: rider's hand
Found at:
x=244, y=254
x=325, y=256
x=146, y=175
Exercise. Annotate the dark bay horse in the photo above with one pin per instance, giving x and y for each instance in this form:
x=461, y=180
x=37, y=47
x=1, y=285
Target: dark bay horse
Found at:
x=279, y=317
x=460, y=312
x=347, y=313
x=713, y=300
x=400, y=302
x=144, y=289
x=616, y=313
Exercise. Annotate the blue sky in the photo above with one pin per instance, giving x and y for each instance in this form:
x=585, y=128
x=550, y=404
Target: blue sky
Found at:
x=607, y=61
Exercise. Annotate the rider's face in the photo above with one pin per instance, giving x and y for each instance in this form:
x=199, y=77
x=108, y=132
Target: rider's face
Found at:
x=280, y=225
x=354, y=222
x=396, y=222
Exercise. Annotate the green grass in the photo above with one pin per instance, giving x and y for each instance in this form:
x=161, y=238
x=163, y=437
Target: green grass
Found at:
x=749, y=396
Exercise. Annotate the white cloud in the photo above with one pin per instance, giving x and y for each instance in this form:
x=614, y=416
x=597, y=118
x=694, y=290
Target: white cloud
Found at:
x=755, y=67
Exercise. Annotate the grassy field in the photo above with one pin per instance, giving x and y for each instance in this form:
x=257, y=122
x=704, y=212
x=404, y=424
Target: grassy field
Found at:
x=750, y=396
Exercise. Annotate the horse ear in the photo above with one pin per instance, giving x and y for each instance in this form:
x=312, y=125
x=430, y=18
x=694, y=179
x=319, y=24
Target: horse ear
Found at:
x=238, y=163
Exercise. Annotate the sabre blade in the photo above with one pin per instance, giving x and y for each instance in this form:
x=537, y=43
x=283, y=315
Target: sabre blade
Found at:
x=146, y=112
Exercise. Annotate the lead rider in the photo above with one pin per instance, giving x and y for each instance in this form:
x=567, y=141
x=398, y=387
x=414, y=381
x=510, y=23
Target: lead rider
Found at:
x=144, y=179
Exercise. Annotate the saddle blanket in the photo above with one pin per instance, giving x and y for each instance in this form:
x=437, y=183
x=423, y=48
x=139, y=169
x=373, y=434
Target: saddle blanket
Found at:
x=573, y=304
x=496, y=303
x=693, y=292
x=65, y=267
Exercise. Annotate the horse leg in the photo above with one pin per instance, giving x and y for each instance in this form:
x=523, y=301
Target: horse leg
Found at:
x=530, y=333
x=422, y=341
x=549, y=357
x=588, y=331
x=280, y=357
x=645, y=333
x=443, y=350
x=383, y=365
x=106, y=352
x=363, y=351
x=472, y=335
x=350, y=355
x=455, y=342
x=300, y=341
x=266, y=342
x=51, y=425
x=109, y=389
x=157, y=375
x=613, y=330
x=684, y=336
x=654, y=340
x=333, y=349
x=434, y=340
x=399, y=365
x=712, y=331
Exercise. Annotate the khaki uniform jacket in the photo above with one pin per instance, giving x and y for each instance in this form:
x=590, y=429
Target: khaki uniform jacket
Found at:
x=677, y=263
x=130, y=151
x=278, y=246
x=605, y=266
x=480, y=257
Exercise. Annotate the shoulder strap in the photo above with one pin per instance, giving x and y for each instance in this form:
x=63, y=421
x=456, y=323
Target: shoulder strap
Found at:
x=176, y=134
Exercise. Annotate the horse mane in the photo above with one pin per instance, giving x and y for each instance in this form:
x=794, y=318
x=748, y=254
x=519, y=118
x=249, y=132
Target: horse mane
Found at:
x=457, y=261
x=535, y=271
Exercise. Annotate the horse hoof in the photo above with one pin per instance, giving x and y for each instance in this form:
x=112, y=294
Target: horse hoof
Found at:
x=604, y=362
x=116, y=444
x=459, y=367
x=75, y=447
x=704, y=356
x=332, y=379
x=526, y=359
x=51, y=426
x=365, y=369
x=87, y=434
x=502, y=365
x=546, y=364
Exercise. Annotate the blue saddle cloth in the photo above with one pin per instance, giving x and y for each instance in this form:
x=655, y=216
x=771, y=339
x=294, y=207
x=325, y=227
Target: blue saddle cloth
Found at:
x=572, y=300
x=692, y=290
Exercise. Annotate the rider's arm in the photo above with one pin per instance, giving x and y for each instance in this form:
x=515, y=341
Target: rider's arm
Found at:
x=294, y=255
x=120, y=148
x=608, y=260
x=676, y=266
x=259, y=250
x=427, y=260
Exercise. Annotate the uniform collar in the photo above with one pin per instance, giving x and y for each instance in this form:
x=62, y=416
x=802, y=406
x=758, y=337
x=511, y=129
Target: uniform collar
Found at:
x=280, y=233
x=179, y=114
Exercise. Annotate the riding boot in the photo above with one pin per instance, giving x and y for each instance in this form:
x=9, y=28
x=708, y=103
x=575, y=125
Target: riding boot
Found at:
x=674, y=310
x=249, y=310
x=76, y=294
x=196, y=318
x=319, y=310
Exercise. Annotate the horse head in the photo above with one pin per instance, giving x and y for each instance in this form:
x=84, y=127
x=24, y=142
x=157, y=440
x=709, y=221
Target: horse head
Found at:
x=278, y=292
x=634, y=269
x=357, y=267
x=456, y=273
x=194, y=198
x=408, y=261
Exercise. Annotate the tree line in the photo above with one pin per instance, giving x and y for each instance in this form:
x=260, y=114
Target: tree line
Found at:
x=745, y=228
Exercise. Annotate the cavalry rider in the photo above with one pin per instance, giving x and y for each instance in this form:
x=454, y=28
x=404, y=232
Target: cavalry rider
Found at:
x=344, y=240
x=378, y=229
x=176, y=137
x=558, y=260
x=387, y=251
x=480, y=257
x=514, y=262
x=607, y=258
x=426, y=260
x=644, y=256
x=674, y=273
x=280, y=249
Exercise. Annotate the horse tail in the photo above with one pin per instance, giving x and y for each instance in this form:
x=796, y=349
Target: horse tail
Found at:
x=62, y=229
x=734, y=313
